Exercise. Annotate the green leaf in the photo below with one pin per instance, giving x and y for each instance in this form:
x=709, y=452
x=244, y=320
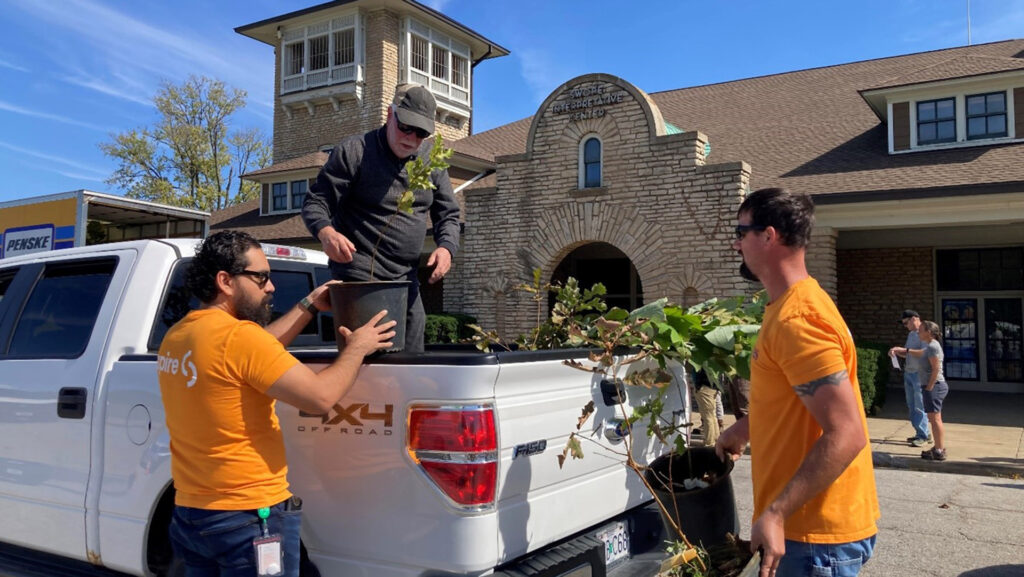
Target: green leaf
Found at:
x=654, y=310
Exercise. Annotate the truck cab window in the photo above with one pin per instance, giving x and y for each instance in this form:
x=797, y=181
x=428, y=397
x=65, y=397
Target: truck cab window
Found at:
x=5, y=281
x=289, y=288
x=58, y=318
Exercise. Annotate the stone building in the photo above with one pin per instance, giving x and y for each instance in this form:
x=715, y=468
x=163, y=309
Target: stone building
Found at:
x=915, y=164
x=337, y=65
x=914, y=161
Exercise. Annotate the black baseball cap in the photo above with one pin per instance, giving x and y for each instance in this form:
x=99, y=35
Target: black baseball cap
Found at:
x=415, y=106
x=909, y=314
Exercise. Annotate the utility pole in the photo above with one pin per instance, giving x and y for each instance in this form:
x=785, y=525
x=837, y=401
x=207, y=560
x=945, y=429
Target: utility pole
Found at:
x=968, y=22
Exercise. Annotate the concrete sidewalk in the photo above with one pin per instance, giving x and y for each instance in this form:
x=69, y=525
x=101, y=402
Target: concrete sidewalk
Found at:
x=984, y=435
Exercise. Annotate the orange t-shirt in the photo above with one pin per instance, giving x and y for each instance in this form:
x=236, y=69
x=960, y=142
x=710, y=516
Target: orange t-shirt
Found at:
x=227, y=451
x=803, y=338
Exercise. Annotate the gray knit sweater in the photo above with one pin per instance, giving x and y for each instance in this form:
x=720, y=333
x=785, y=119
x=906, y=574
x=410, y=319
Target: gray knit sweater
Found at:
x=357, y=191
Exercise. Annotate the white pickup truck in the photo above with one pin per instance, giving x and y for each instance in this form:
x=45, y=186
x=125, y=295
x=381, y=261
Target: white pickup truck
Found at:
x=391, y=488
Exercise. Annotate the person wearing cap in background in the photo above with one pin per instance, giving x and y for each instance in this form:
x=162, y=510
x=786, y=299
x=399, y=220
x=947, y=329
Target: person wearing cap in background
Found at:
x=912, y=379
x=357, y=192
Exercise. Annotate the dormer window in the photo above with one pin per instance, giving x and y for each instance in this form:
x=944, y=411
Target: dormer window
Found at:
x=438, y=61
x=286, y=197
x=936, y=121
x=986, y=115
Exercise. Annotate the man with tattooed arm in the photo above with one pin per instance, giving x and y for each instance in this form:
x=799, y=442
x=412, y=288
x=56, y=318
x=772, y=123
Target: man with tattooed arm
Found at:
x=815, y=504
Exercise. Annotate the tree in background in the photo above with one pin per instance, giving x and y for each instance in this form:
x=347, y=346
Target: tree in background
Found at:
x=190, y=157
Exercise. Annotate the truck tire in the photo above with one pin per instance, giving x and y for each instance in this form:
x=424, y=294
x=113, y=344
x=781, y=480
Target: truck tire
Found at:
x=176, y=568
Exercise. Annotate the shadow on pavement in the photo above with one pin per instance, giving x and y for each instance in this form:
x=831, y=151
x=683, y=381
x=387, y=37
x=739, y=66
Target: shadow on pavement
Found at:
x=996, y=571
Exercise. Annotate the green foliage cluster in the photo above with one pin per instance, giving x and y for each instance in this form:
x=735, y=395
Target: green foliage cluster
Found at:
x=448, y=328
x=873, y=368
x=867, y=375
x=418, y=173
x=190, y=156
x=716, y=336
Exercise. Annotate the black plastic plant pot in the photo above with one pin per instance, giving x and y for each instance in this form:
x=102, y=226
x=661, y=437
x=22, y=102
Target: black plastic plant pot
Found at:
x=704, y=514
x=355, y=303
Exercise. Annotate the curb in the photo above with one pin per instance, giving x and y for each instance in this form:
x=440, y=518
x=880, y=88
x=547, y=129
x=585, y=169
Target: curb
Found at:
x=891, y=461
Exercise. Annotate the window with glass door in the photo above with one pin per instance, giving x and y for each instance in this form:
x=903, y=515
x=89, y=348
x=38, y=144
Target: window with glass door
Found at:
x=982, y=312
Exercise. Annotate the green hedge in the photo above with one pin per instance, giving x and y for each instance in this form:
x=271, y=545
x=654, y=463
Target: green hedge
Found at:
x=873, y=368
x=447, y=328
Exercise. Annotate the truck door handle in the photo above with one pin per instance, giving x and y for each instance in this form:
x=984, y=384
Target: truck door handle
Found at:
x=71, y=403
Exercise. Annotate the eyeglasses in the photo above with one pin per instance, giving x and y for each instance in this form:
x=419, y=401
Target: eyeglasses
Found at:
x=743, y=229
x=406, y=129
x=261, y=278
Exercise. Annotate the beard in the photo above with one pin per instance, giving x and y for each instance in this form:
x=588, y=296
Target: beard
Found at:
x=748, y=274
x=258, y=311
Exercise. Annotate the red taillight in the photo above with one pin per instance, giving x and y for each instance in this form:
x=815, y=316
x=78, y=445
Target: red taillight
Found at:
x=465, y=483
x=452, y=430
x=457, y=448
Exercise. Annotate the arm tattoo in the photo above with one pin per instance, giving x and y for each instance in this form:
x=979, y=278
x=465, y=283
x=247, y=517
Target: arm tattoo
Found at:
x=808, y=389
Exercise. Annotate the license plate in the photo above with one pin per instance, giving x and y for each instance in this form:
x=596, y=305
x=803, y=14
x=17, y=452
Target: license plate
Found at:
x=616, y=543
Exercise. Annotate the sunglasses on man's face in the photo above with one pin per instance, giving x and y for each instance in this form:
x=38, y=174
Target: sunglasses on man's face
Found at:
x=743, y=229
x=406, y=129
x=261, y=278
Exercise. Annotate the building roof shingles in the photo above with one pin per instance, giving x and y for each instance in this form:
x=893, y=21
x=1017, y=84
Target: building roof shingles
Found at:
x=811, y=130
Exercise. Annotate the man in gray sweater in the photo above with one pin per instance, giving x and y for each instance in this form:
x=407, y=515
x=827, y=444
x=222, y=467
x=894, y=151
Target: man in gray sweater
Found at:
x=357, y=191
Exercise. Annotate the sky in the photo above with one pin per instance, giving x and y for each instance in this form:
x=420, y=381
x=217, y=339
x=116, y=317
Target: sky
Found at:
x=73, y=73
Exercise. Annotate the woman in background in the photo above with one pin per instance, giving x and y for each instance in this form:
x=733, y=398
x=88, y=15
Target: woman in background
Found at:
x=933, y=386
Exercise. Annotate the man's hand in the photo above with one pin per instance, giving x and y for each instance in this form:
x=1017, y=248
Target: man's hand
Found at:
x=768, y=534
x=336, y=245
x=733, y=441
x=441, y=260
x=369, y=337
x=321, y=296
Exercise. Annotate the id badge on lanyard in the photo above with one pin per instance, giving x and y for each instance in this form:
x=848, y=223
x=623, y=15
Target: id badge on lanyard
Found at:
x=269, y=556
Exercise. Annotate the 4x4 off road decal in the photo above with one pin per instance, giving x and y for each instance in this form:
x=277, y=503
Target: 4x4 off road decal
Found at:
x=354, y=419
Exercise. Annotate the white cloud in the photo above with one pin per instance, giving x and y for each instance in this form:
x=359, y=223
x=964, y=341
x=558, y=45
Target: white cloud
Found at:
x=542, y=76
x=98, y=173
x=438, y=5
x=6, y=106
x=117, y=90
x=118, y=55
x=1007, y=25
x=12, y=66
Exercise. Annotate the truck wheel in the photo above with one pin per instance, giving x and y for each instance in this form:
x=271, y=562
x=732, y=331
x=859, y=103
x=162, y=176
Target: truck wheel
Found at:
x=176, y=568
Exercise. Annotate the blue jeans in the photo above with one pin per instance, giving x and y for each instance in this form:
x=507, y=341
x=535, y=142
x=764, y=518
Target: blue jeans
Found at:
x=915, y=404
x=817, y=560
x=219, y=543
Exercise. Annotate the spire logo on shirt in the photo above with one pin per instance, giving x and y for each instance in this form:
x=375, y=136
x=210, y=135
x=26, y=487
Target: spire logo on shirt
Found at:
x=171, y=366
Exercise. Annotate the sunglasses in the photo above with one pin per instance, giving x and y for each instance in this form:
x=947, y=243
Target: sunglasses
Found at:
x=743, y=229
x=406, y=129
x=261, y=278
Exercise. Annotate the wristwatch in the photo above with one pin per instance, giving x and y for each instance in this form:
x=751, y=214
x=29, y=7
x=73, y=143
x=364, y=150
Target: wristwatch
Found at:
x=309, y=306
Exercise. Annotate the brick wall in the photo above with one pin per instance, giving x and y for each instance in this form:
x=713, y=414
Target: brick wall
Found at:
x=661, y=205
x=876, y=285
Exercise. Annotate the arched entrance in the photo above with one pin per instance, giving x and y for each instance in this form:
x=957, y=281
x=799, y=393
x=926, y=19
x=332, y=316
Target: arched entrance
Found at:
x=600, y=262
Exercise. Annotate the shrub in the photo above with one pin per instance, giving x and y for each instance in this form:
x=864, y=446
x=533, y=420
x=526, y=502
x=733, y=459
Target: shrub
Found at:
x=447, y=328
x=873, y=374
x=867, y=376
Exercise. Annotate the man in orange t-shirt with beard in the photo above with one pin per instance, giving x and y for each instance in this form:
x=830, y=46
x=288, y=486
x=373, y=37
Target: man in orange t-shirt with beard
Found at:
x=221, y=370
x=815, y=504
